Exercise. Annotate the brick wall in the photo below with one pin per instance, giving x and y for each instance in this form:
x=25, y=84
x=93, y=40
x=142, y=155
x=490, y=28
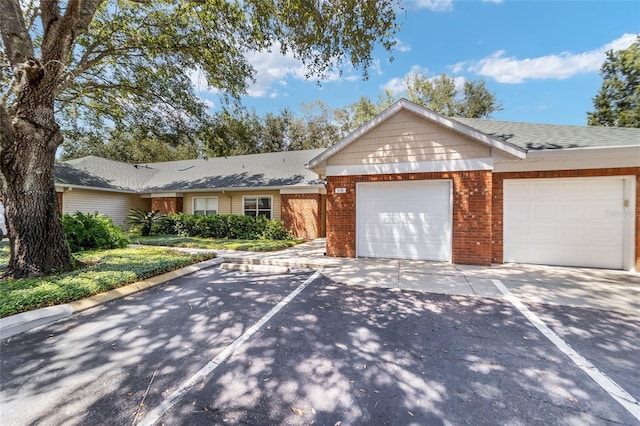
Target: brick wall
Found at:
x=167, y=204
x=498, y=198
x=471, y=238
x=302, y=214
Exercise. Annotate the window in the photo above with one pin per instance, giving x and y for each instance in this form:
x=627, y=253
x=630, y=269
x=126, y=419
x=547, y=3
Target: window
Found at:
x=205, y=206
x=257, y=206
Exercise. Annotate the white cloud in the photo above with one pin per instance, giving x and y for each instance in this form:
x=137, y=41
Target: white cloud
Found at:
x=272, y=71
x=273, y=68
x=435, y=5
x=557, y=66
x=459, y=67
x=398, y=84
x=492, y=1
x=401, y=46
x=199, y=82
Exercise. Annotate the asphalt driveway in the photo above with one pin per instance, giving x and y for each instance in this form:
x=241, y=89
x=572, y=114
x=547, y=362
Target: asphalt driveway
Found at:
x=332, y=354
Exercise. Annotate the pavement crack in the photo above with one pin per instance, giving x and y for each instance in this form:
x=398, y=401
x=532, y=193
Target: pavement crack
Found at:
x=144, y=396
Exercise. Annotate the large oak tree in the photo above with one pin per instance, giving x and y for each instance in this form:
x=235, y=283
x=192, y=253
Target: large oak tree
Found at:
x=83, y=64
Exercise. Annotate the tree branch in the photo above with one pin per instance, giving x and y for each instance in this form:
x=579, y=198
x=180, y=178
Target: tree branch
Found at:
x=16, y=39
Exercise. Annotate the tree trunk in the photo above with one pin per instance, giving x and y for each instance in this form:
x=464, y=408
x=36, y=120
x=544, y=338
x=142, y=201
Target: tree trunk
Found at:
x=38, y=242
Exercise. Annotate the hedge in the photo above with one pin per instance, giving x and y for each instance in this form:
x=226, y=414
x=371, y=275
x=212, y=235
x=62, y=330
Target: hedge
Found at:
x=221, y=226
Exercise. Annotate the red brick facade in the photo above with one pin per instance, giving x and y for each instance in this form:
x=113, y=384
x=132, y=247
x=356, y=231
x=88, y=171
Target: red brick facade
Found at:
x=167, y=204
x=498, y=198
x=303, y=214
x=477, y=209
x=471, y=213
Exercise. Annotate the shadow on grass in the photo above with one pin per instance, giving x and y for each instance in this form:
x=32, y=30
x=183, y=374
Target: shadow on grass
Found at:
x=216, y=243
x=105, y=270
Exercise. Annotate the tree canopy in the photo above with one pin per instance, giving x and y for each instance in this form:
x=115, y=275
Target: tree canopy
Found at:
x=441, y=94
x=89, y=65
x=617, y=103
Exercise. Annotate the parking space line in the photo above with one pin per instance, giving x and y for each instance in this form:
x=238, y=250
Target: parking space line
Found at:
x=154, y=415
x=605, y=382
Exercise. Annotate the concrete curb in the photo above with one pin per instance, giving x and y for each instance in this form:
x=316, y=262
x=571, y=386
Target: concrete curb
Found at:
x=25, y=321
x=276, y=262
x=251, y=267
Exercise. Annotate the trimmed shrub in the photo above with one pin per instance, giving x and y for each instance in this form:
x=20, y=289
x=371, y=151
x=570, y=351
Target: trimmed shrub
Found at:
x=275, y=230
x=87, y=231
x=166, y=224
x=221, y=226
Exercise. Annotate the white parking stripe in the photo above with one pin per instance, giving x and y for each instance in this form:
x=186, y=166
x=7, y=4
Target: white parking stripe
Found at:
x=606, y=383
x=154, y=415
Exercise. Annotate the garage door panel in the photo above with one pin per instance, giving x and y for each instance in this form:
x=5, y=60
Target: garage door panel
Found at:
x=410, y=220
x=564, y=222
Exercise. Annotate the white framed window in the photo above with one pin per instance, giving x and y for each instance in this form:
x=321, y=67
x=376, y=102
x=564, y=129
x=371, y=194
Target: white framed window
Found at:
x=205, y=205
x=258, y=206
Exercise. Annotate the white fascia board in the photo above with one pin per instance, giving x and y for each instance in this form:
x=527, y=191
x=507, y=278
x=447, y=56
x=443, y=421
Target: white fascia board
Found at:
x=563, y=160
x=166, y=194
x=63, y=187
x=232, y=189
x=304, y=190
x=415, y=167
x=633, y=151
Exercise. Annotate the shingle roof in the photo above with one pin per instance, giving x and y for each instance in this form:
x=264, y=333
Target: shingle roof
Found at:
x=243, y=171
x=103, y=173
x=531, y=136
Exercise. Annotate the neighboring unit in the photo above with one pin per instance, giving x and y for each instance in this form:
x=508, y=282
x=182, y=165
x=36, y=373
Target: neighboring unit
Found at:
x=410, y=184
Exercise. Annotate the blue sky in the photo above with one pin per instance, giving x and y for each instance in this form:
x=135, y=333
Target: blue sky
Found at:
x=540, y=58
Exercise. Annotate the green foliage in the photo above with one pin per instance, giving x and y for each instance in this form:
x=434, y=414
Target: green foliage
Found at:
x=142, y=221
x=617, y=104
x=87, y=231
x=275, y=230
x=220, y=226
x=442, y=95
x=259, y=245
x=241, y=132
x=107, y=270
x=151, y=50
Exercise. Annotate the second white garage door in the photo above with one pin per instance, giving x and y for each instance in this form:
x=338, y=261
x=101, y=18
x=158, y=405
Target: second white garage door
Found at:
x=570, y=222
x=404, y=220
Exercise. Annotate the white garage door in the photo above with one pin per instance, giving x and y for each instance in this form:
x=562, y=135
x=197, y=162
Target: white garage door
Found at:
x=405, y=220
x=569, y=222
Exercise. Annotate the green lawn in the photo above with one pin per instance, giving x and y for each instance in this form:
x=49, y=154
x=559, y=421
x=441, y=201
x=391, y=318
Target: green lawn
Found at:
x=107, y=269
x=215, y=244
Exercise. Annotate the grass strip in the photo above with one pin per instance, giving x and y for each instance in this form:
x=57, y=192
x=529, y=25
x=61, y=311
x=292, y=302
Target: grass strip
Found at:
x=106, y=270
x=215, y=244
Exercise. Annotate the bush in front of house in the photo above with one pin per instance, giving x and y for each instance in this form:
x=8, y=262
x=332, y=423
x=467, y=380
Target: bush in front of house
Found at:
x=224, y=226
x=89, y=231
x=142, y=221
x=275, y=230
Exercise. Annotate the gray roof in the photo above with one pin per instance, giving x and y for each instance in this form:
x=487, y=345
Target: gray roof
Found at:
x=281, y=169
x=531, y=136
x=103, y=173
x=277, y=169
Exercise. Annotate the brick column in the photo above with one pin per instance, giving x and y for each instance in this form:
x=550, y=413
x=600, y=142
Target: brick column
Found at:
x=302, y=214
x=167, y=204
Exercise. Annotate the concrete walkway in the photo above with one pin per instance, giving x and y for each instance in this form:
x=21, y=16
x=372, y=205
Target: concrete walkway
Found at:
x=593, y=288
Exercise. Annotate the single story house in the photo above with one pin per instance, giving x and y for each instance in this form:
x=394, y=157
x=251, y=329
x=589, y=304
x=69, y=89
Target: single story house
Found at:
x=412, y=184
x=275, y=185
